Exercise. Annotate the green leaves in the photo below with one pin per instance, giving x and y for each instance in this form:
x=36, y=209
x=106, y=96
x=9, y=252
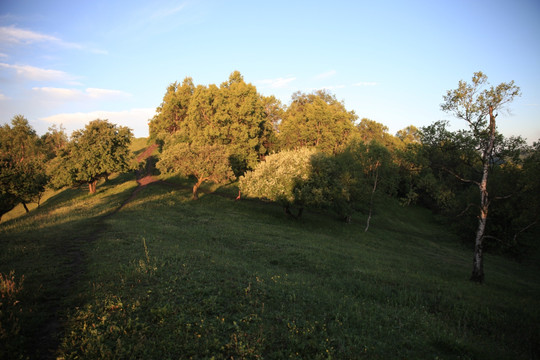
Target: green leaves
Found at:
x=22, y=174
x=233, y=115
x=317, y=120
x=205, y=162
x=93, y=153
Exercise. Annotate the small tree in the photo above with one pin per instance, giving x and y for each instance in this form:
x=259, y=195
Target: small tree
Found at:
x=278, y=176
x=205, y=163
x=22, y=175
x=479, y=107
x=94, y=153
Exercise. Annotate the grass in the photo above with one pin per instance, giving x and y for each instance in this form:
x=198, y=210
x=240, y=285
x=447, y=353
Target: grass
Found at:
x=167, y=277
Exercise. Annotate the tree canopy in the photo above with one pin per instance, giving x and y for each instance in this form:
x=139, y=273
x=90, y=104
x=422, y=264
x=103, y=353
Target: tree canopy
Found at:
x=318, y=120
x=204, y=162
x=22, y=173
x=93, y=153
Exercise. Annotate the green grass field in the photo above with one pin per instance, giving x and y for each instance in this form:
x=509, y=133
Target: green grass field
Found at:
x=165, y=277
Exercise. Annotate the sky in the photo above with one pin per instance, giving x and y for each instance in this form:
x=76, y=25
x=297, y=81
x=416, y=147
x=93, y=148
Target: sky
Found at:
x=70, y=62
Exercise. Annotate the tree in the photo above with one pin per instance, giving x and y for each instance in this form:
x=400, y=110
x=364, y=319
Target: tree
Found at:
x=479, y=107
x=367, y=169
x=172, y=113
x=278, y=176
x=22, y=175
x=232, y=114
x=316, y=120
x=92, y=154
x=370, y=130
x=204, y=162
x=54, y=140
x=409, y=135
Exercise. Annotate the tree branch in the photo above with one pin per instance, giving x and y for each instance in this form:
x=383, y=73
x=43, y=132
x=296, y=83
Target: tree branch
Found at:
x=524, y=229
x=459, y=177
x=464, y=211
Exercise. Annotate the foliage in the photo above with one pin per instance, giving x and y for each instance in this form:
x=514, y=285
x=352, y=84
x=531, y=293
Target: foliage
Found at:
x=316, y=120
x=369, y=130
x=233, y=115
x=92, y=154
x=277, y=177
x=172, y=113
x=22, y=175
x=206, y=163
x=54, y=141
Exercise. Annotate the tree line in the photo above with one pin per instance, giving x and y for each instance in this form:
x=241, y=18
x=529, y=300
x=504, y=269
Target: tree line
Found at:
x=313, y=153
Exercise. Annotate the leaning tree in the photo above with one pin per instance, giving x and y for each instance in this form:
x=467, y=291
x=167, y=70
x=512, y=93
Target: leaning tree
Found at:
x=479, y=103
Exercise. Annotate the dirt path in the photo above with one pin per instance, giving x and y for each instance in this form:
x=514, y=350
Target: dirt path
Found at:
x=48, y=337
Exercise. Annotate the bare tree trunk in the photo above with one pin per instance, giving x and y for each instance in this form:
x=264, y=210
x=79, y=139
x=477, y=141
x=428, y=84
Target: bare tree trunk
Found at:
x=478, y=260
x=92, y=186
x=25, y=207
x=196, y=188
x=372, y=195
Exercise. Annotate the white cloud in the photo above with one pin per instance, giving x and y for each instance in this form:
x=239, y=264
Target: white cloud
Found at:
x=105, y=93
x=14, y=35
x=3, y=97
x=38, y=74
x=277, y=83
x=2, y=55
x=326, y=74
x=136, y=119
x=11, y=34
x=365, y=83
x=59, y=94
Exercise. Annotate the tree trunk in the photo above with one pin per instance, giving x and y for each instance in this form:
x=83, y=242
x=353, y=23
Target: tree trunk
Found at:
x=478, y=260
x=196, y=188
x=92, y=186
x=372, y=195
x=25, y=207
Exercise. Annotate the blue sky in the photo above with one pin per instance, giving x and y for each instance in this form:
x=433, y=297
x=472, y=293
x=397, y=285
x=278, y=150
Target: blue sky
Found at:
x=391, y=61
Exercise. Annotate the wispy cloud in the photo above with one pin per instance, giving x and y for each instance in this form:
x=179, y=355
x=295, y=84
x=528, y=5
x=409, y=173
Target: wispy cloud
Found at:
x=164, y=12
x=75, y=94
x=136, y=119
x=12, y=34
x=15, y=35
x=2, y=55
x=3, y=97
x=327, y=74
x=58, y=93
x=278, y=82
x=365, y=83
x=37, y=74
x=105, y=93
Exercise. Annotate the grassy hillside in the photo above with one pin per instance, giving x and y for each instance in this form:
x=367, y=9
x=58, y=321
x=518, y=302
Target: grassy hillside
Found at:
x=167, y=277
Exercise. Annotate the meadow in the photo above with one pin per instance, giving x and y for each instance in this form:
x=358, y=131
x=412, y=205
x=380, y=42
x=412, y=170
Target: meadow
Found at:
x=156, y=275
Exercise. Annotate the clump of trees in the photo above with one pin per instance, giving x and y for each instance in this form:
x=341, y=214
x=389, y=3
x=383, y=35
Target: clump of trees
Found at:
x=29, y=163
x=313, y=153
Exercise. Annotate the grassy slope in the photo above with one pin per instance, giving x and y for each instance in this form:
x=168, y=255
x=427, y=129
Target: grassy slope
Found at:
x=166, y=277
